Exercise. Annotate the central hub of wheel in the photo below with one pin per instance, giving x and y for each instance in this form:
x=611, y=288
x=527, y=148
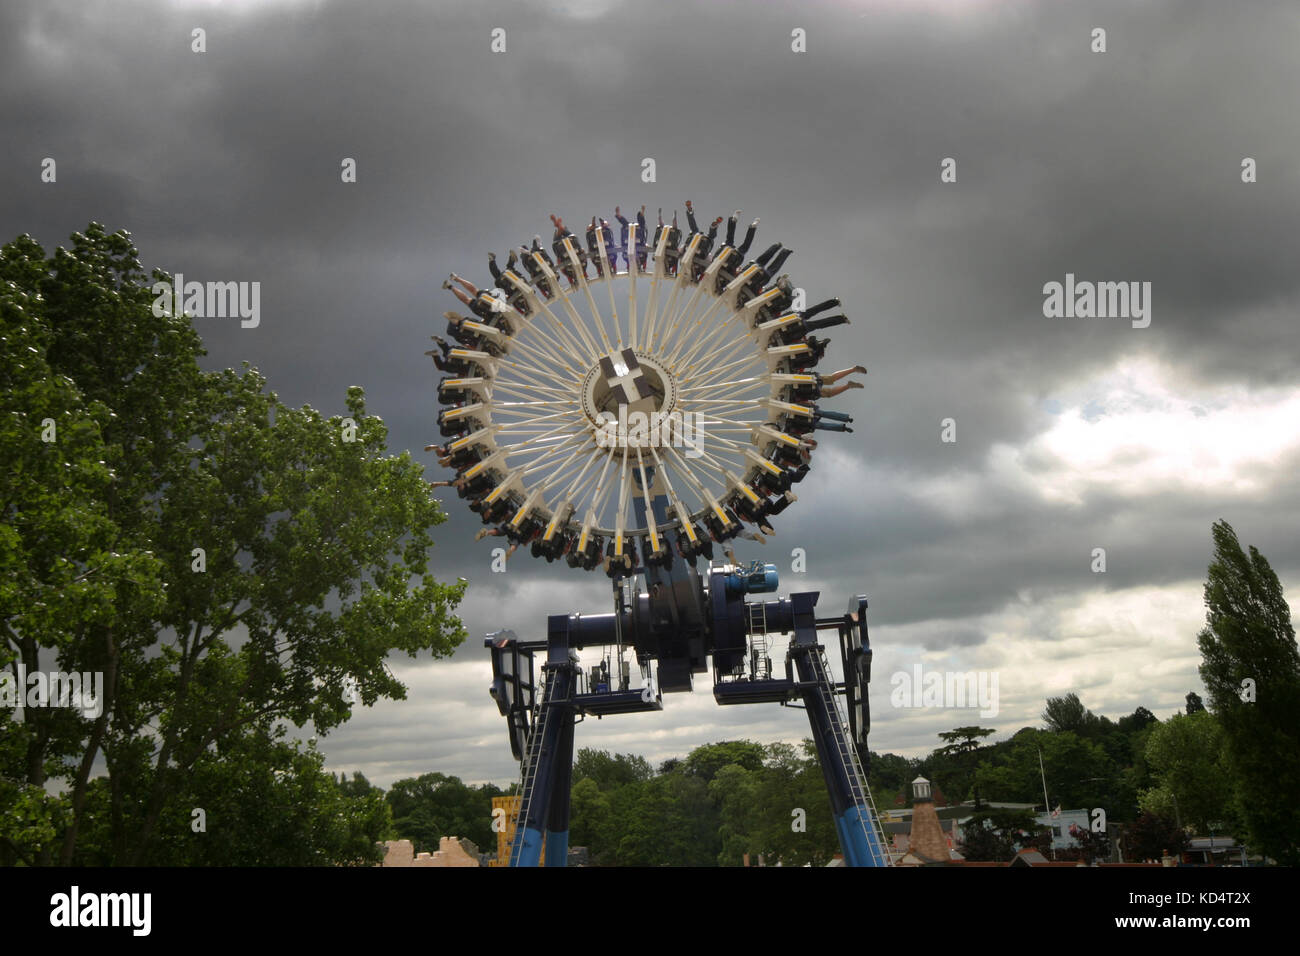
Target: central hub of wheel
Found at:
x=629, y=400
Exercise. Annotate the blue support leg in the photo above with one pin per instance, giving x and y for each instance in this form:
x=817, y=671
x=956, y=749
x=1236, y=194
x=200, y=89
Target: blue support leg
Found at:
x=853, y=819
x=547, y=750
x=557, y=827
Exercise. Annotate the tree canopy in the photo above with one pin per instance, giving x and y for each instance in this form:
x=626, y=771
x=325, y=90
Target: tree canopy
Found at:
x=228, y=564
x=1251, y=669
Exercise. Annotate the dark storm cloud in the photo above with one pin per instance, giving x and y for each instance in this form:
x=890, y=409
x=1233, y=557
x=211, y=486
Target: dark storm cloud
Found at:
x=1115, y=166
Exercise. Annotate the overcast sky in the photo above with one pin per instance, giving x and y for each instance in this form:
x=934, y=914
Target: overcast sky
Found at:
x=1072, y=433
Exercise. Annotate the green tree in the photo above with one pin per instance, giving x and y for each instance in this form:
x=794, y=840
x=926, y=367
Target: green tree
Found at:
x=1187, y=756
x=1251, y=669
x=312, y=568
x=962, y=740
x=890, y=777
x=1151, y=836
x=1068, y=714
x=954, y=764
x=1136, y=721
x=589, y=818
x=790, y=788
x=435, y=805
x=995, y=834
x=625, y=806
x=1089, y=847
x=610, y=771
x=66, y=569
x=734, y=790
x=672, y=823
x=705, y=761
x=1078, y=771
x=265, y=801
x=358, y=786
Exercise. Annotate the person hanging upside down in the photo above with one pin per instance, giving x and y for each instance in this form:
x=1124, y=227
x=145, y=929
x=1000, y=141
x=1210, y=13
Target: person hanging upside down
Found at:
x=805, y=360
x=593, y=248
x=818, y=388
x=734, y=529
x=497, y=273
x=470, y=287
x=672, y=252
x=561, y=233
x=809, y=324
x=624, y=226
x=498, y=532
x=743, y=248
x=611, y=251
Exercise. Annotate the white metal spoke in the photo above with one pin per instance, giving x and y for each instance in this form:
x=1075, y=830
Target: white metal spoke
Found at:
x=708, y=388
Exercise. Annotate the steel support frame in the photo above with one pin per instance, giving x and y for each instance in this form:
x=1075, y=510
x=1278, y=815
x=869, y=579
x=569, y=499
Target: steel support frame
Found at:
x=854, y=823
x=545, y=820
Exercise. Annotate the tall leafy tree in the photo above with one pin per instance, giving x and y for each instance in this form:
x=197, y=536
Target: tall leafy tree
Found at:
x=589, y=818
x=962, y=740
x=1068, y=714
x=1135, y=721
x=610, y=771
x=705, y=761
x=954, y=763
x=435, y=805
x=1188, y=757
x=672, y=823
x=72, y=583
x=890, y=777
x=734, y=790
x=227, y=563
x=790, y=783
x=1251, y=669
x=261, y=800
x=1078, y=771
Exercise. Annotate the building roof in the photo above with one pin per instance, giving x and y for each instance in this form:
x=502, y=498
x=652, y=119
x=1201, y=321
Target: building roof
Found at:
x=1031, y=857
x=926, y=840
x=1213, y=843
x=905, y=826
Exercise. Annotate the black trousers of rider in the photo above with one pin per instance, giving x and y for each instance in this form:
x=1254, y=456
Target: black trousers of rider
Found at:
x=819, y=307
x=829, y=322
x=743, y=248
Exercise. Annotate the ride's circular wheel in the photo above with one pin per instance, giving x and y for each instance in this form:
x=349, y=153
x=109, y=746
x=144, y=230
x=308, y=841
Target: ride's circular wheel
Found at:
x=616, y=415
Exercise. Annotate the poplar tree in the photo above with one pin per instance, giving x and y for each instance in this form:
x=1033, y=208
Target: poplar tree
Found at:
x=1251, y=669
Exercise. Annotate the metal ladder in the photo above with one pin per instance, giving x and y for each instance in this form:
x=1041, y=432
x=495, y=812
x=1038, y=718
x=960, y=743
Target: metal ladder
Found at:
x=528, y=766
x=759, y=664
x=858, y=788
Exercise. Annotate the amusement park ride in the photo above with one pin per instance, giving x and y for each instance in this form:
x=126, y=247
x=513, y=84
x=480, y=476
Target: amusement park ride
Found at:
x=635, y=440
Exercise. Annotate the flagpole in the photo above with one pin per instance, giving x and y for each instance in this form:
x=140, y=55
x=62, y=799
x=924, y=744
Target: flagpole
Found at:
x=1047, y=807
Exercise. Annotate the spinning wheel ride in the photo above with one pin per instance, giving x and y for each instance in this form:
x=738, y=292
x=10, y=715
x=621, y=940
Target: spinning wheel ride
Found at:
x=634, y=427
x=689, y=378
